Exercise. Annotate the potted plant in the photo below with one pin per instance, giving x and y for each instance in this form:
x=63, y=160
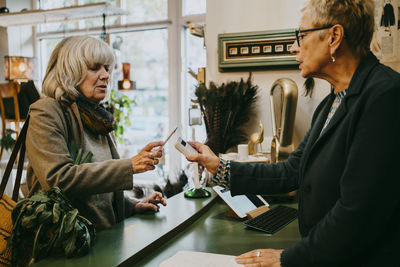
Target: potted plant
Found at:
x=7, y=141
x=119, y=106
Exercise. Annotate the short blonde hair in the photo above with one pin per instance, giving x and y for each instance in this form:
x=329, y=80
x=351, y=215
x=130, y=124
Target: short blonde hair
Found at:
x=69, y=63
x=356, y=17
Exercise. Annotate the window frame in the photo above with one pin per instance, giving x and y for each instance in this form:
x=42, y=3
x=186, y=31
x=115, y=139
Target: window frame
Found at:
x=177, y=96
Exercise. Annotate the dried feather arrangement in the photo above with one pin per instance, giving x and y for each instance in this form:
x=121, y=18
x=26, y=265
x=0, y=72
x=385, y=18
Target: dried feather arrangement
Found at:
x=227, y=110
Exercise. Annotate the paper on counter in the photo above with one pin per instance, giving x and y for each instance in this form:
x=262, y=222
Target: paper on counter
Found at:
x=199, y=259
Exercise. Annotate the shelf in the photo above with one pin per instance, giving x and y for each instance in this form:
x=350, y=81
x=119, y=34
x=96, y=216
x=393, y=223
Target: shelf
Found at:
x=33, y=17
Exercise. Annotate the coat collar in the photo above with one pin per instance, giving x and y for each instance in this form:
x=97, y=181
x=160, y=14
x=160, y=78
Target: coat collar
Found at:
x=361, y=74
x=355, y=87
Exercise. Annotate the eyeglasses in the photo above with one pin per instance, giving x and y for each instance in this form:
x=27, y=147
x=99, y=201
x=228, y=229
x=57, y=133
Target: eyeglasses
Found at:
x=300, y=34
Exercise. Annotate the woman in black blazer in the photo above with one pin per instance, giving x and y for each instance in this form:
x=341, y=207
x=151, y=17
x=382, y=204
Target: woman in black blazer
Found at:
x=345, y=168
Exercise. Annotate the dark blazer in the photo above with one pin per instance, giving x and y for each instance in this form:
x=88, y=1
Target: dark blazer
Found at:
x=347, y=177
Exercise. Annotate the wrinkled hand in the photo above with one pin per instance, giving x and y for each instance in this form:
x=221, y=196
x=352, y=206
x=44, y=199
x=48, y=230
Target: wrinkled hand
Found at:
x=146, y=158
x=261, y=257
x=151, y=203
x=205, y=157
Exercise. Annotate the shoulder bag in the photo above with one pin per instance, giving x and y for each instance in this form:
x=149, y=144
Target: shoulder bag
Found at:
x=7, y=204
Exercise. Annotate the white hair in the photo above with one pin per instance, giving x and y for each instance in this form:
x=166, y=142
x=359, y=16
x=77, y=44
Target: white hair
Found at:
x=356, y=17
x=69, y=63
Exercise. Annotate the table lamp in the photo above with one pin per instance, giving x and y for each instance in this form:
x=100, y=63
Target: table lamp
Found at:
x=126, y=83
x=20, y=69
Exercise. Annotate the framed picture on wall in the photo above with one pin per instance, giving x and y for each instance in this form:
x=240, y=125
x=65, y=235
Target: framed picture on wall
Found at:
x=251, y=50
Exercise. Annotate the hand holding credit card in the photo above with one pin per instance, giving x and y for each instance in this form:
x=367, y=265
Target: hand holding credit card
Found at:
x=162, y=159
x=169, y=136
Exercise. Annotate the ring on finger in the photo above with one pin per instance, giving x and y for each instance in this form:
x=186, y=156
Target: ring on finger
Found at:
x=258, y=254
x=151, y=156
x=154, y=162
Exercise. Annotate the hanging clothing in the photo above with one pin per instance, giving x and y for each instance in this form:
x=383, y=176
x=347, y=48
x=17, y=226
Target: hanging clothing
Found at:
x=388, y=18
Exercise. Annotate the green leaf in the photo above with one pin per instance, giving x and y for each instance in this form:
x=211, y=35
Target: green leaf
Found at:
x=35, y=250
x=7, y=141
x=70, y=220
x=44, y=232
x=120, y=107
x=87, y=158
x=56, y=212
x=70, y=245
x=40, y=197
x=45, y=216
x=78, y=157
x=119, y=130
x=40, y=208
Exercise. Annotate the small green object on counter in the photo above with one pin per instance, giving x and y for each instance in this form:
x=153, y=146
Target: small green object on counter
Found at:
x=197, y=193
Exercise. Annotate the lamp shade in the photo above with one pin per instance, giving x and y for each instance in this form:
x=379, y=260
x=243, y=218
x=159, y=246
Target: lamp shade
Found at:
x=20, y=68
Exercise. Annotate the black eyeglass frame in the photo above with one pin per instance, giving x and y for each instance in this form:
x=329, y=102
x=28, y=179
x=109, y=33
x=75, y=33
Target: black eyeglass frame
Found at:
x=309, y=30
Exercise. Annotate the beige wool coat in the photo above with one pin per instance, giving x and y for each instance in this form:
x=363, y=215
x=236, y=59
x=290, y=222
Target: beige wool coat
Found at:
x=96, y=189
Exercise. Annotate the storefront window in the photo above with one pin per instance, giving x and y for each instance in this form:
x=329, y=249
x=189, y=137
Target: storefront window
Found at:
x=193, y=58
x=192, y=7
x=97, y=22
x=148, y=10
x=147, y=51
x=50, y=4
x=46, y=48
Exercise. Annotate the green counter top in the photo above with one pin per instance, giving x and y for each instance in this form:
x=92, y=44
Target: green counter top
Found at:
x=213, y=232
x=185, y=224
x=137, y=236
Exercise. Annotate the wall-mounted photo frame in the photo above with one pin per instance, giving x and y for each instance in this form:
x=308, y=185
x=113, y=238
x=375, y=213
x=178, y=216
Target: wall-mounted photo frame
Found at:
x=253, y=50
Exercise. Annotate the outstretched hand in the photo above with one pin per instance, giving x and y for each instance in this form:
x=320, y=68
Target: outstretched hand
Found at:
x=147, y=158
x=261, y=257
x=205, y=157
x=151, y=203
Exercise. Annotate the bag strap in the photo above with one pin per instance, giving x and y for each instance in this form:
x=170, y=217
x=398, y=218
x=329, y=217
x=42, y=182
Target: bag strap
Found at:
x=18, y=147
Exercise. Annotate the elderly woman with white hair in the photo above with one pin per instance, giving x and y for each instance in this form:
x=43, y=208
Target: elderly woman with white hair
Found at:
x=69, y=116
x=345, y=168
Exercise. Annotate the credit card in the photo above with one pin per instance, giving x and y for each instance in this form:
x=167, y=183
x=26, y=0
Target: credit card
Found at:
x=169, y=136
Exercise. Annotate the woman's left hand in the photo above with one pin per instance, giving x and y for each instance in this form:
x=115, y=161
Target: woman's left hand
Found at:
x=261, y=257
x=151, y=203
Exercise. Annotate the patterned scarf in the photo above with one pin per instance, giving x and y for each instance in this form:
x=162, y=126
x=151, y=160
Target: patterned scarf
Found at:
x=95, y=117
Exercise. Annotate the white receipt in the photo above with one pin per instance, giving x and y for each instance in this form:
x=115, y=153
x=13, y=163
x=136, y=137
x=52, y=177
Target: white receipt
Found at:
x=199, y=259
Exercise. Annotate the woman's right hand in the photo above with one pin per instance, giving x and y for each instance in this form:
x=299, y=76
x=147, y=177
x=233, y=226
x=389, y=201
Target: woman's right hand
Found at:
x=146, y=159
x=205, y=157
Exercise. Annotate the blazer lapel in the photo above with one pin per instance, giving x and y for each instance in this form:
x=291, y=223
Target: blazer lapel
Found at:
x=316, y=130
x=337, y=117
x=355, y=88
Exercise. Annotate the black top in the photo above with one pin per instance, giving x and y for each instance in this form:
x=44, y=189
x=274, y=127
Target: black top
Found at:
x=347, y=177
x=27, y=95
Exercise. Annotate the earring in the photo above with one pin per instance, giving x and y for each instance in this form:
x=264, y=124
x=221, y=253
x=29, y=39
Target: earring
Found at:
x=333, y=58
